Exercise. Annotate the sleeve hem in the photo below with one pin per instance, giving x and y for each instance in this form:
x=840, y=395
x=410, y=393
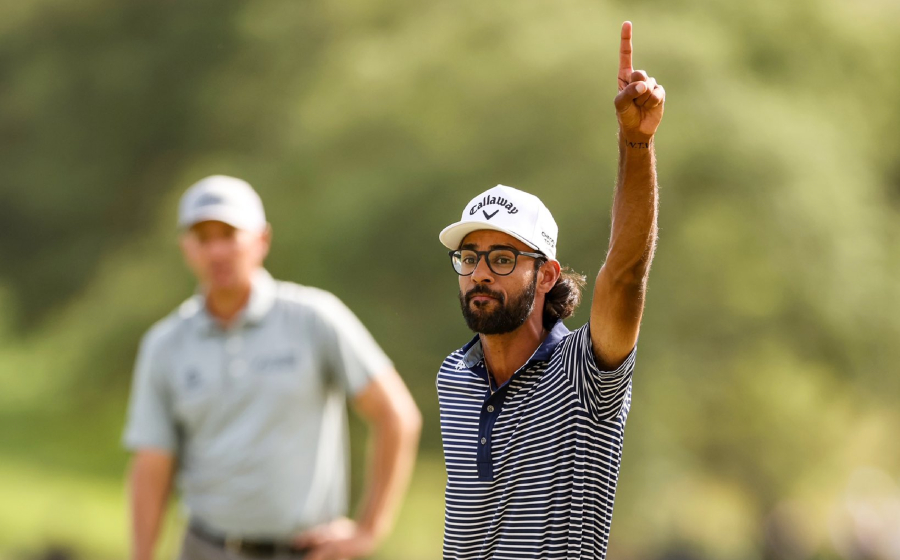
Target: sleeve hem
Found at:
x=373, y=374
x=624, y=368
x=137, y=444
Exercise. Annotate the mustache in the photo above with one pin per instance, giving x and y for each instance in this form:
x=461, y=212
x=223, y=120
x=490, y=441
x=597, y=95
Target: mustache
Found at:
x=482, y=290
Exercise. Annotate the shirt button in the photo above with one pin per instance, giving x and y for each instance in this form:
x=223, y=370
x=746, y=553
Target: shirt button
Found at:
x=490, y=408
x=233, y=345
x=483, y=441
x=238, y=368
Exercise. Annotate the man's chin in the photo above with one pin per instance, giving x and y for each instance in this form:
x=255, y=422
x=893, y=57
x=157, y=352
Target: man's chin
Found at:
x=489, y=330
x=482, y=322
x=222, y=283
x=484, y=312
x=484, y=307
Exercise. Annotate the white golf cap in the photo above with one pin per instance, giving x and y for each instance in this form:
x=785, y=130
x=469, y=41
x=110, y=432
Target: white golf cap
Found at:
x=511, y=211
x=223, y=199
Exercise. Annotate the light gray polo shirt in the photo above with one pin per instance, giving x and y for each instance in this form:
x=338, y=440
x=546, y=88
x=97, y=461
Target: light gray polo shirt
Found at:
x=256, y=414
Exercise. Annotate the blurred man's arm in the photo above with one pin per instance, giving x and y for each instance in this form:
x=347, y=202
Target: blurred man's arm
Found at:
x=150, y=483
x=395, y=424
x=619, y=292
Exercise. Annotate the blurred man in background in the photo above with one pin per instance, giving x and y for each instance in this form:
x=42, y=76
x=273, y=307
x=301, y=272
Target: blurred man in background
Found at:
x=240, y=394
x=533, y=415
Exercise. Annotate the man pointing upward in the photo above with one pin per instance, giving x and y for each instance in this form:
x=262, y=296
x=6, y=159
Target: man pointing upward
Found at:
x=533, y=415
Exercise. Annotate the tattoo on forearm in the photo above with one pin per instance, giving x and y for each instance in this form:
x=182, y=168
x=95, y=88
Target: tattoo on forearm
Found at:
x=638, y=145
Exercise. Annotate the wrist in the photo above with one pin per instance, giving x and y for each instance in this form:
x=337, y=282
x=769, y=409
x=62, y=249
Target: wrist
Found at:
x=366, y=540
x=639, y=145
x=635, y=141
x=368, y=529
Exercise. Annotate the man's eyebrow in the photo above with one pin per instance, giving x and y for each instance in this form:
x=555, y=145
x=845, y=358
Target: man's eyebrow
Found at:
x=474, y=247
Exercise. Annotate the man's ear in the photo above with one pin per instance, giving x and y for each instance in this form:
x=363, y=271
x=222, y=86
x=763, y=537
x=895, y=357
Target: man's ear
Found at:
x=266, y=237
x=183, y=245
x=548, y=274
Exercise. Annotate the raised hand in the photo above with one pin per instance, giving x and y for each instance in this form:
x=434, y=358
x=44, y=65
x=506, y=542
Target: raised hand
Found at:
x=640, y=102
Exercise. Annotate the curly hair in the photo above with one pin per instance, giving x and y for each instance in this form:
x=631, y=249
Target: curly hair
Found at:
x=564, y=297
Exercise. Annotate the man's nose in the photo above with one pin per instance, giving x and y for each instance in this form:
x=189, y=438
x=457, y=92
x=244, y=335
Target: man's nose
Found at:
x=482, y=272
x=217, y=247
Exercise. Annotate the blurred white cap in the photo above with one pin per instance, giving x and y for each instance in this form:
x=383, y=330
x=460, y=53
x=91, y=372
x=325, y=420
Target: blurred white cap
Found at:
x=511, y=211
x=223, y=199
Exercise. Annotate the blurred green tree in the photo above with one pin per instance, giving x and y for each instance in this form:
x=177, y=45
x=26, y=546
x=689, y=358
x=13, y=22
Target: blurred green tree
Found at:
x=767, y=368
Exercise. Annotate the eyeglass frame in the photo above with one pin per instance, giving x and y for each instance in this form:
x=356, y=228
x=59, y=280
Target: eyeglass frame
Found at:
x=480, y=254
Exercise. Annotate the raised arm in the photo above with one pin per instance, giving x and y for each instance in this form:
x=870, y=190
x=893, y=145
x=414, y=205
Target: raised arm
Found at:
x=621, y=284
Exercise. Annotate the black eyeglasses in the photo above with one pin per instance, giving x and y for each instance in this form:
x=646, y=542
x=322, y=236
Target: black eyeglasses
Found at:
x=501, y=261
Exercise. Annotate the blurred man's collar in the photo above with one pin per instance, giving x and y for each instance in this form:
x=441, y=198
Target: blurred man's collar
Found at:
x=262, y=298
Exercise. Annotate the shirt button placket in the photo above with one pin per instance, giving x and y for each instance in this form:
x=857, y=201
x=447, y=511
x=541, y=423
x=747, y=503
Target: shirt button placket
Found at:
x=236, y=366
x=488, y=415
x=233, y=344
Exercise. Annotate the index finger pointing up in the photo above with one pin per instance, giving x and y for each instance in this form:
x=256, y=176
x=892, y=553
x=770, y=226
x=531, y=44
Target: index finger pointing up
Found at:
x=625, y=68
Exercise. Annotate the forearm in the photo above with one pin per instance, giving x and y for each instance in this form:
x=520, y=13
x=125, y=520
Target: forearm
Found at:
x=634, y=214
x=392, y=459
x=149, y=489
x=621, y=284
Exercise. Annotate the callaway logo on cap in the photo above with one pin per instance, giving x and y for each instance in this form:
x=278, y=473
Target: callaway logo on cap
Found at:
x=222, y=199
x=511, y=211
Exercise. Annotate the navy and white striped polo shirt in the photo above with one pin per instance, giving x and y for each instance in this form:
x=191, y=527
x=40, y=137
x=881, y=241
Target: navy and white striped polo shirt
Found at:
x=532, y=466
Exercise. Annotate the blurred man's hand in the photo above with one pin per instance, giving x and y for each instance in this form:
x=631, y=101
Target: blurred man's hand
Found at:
x=341, y=539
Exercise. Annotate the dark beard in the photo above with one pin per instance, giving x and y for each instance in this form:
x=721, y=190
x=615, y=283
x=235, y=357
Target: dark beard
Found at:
x=507, y=318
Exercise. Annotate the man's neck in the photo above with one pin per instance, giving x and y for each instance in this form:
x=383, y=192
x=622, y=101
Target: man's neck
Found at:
x=226, y=305
x=505, y=353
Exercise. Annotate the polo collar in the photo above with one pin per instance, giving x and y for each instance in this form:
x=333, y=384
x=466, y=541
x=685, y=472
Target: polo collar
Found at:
x=262, y=299
x=473, y=353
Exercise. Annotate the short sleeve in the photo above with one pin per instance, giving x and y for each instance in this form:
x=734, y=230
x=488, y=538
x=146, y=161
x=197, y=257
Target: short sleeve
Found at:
x=150, y=423
x=351, y=352
x=606, y=394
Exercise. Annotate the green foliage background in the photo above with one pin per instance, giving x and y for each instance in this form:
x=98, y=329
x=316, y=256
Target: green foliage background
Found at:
x=767, y=378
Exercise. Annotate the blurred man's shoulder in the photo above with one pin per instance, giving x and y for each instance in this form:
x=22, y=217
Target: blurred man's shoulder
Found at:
x=302, y=297
x=172, y=327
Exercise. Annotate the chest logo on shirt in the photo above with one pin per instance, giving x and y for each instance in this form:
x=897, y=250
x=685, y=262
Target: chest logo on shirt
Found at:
x=274, y=363
x=192, y=380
